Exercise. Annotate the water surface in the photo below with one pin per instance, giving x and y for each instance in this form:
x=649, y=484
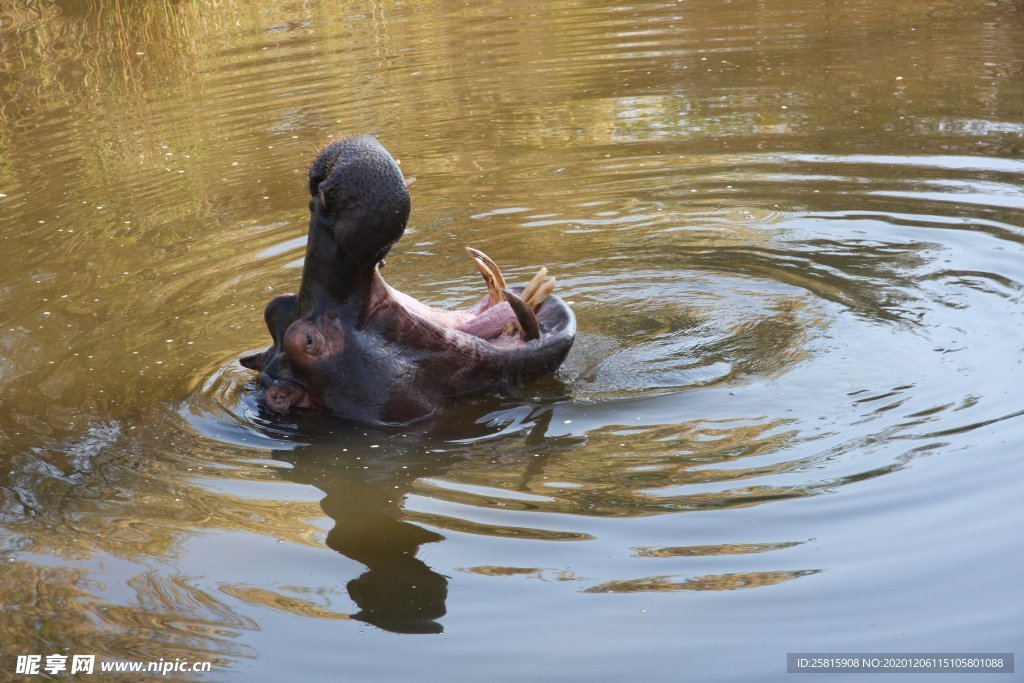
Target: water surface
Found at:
x=792, y=234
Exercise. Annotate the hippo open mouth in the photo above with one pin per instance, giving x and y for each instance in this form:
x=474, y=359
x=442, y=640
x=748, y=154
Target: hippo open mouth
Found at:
x=351, y=346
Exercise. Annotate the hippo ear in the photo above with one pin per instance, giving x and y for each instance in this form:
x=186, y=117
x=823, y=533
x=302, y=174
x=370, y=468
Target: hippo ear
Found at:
x=281, y=312
x=254, y=361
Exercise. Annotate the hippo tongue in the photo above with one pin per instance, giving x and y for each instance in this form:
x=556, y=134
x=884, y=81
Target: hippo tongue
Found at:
x=509, y=316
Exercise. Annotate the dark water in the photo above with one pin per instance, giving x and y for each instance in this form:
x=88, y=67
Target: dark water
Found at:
x=792, y=421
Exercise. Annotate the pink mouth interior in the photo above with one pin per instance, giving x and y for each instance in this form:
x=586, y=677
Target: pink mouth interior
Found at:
x=480, y=320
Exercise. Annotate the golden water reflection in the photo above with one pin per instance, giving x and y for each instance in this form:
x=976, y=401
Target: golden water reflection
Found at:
x=722, y=582
x=786, y=229
x=53, y=609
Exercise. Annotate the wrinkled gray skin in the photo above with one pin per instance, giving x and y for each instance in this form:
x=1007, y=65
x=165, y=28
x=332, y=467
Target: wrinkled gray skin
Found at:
x=350, y=346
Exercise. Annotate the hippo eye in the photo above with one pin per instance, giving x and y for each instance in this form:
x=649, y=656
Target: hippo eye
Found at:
x=304, y=342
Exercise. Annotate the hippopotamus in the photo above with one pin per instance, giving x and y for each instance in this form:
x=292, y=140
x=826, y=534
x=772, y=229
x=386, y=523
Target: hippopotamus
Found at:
x=351, y=346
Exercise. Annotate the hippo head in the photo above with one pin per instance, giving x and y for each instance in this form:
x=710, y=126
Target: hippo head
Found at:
x=351, y=346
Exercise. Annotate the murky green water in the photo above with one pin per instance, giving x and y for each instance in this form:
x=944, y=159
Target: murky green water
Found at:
x=792, y=421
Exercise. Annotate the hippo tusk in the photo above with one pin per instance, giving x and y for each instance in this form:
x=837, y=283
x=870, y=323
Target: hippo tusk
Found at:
x=492, y=274
x=529, y=328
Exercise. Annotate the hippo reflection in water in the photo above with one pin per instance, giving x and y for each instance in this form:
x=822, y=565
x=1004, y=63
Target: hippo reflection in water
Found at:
x=351, y=346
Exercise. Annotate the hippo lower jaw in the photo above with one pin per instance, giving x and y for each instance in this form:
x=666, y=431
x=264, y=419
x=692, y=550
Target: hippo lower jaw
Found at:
x=509, y=336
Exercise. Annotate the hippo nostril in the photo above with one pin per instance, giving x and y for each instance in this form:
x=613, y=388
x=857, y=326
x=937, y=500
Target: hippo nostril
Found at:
x=282, y=398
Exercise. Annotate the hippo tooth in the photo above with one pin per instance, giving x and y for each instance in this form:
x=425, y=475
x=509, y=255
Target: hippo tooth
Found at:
x=534, y=283
x=542, y=293
x=529, y=295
